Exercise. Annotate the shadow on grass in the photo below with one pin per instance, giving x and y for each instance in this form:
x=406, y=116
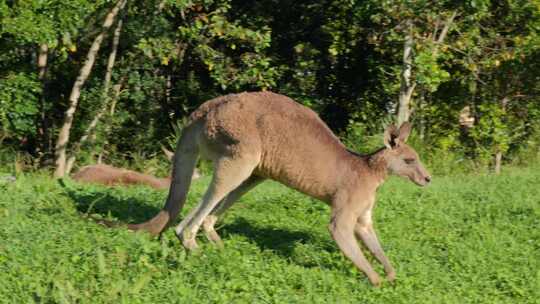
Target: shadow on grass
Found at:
x=280, y=241
x=105, y=203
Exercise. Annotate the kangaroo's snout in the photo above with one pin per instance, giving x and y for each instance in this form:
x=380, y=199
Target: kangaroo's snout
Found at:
x=423, y=181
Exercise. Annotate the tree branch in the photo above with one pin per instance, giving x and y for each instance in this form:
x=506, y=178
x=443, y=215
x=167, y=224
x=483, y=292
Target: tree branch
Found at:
x=446, y=27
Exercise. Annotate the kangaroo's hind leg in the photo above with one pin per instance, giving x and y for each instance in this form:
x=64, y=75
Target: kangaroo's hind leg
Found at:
x=229, y=173
x=226, y=203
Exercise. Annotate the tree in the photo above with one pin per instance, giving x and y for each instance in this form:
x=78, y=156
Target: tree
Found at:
x=63, y=136
x=33, y=30
x=105, y=96
x=359, y=64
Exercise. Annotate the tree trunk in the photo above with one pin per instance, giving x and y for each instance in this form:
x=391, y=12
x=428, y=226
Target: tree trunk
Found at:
x=422, y=120
x=116, y=89
x=43, y=120
x=407, y=86
x=42, y=60
x=499, y=153
x=105, y=97
x=498, y=161
x=168, y=89
x=63, y=136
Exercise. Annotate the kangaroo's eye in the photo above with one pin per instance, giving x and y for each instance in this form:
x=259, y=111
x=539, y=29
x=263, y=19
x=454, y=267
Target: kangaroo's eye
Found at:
x=409, y=161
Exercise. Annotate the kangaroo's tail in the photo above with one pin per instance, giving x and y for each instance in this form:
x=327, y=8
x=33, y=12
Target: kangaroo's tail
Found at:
x=184, y=161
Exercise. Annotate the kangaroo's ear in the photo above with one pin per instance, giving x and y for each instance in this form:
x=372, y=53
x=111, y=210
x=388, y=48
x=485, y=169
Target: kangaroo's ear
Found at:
x=168, y=153
x=404, y=131
x=390, y=135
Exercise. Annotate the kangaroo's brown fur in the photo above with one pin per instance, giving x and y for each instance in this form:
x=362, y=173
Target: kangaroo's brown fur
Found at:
x=112, y=176
x=255, y=136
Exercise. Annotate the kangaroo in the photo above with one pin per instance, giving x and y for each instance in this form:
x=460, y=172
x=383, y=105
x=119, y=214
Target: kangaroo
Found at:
x=111, y=176
x=254, y=136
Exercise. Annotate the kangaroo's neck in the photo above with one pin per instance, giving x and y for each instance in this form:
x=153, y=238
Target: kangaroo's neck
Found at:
x=376, y=163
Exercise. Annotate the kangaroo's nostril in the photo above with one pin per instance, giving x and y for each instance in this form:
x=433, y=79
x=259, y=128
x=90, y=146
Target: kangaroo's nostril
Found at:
x=428, y=179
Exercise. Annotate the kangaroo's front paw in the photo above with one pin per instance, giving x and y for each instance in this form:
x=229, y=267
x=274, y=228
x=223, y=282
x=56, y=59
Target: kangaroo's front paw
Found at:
x=391, y=276
x=375, y=280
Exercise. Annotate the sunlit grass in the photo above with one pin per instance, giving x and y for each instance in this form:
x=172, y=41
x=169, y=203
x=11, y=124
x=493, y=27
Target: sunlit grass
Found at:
x=468, y=239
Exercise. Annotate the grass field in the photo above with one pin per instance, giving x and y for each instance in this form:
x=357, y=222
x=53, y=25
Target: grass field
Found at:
x=466, y=239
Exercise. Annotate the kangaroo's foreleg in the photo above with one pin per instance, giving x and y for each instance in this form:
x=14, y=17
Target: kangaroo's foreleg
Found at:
x=229, y=173
x=364, y=231
x=224, y=204
x=342, y=229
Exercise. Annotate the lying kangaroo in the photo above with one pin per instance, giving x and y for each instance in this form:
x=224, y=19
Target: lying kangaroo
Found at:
x=111, y=176
x=251, y=137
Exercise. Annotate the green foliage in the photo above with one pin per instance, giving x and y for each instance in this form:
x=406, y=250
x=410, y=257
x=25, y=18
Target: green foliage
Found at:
x=357, y=139
x=528, y=150
x=19, y=100
x=492, y=131
x=341, y=58
x=429, y=73
x=52, y=22
x=217, y=39
x=462, y=239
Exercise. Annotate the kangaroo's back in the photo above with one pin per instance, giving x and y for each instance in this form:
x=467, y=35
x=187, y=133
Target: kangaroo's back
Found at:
x=297, y=148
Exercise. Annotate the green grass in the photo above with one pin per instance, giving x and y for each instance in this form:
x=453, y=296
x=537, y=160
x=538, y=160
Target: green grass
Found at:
x=467, y=239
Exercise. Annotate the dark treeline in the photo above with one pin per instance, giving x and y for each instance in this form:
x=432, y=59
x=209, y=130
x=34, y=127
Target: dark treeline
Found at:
x=82, y=80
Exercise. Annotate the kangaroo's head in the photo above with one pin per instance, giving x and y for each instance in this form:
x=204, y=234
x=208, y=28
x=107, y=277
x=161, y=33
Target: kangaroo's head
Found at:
x=402, y=160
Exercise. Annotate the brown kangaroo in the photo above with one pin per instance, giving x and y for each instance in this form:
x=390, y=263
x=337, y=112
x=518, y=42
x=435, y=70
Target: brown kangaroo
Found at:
x=251, y=137
x=111, y=176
